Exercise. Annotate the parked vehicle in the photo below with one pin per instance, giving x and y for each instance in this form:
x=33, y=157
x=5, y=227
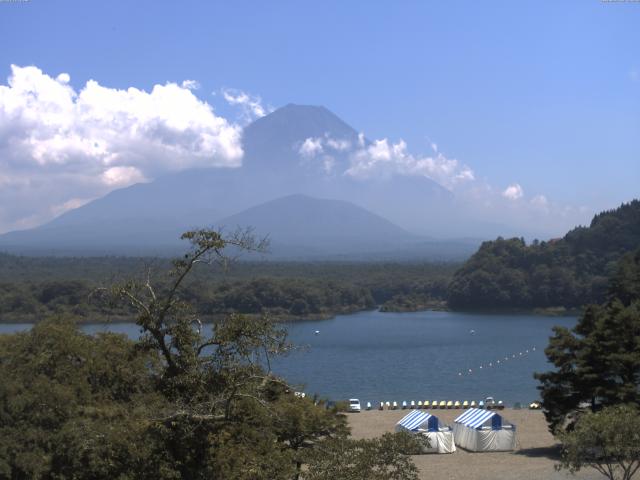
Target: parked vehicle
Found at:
x=354, y=405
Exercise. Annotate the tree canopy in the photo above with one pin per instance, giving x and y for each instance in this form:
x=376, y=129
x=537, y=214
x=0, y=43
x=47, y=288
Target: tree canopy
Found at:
x=34, y=288
x=178, y=403
x=608, y=441
x=597, y=363
x=569, y=272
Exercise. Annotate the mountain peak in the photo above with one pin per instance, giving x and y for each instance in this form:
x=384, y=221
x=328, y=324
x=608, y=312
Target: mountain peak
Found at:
x=297, y=106
x=280, y=134
x=306, y=120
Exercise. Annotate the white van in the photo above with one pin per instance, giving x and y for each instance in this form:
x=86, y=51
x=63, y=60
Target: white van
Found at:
x=354, y=405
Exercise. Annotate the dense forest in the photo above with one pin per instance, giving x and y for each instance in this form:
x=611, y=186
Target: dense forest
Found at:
x=504, y=274
x=177, y=403
x=569, y=272
x=32, y=288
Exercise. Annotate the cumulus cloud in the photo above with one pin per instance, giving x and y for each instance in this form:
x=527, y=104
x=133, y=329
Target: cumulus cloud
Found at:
x=191, y=84
x=58, y=143
x=339, y=145
x=122, y=176
x=384, y=158
x=311, y=147
x=513, y=192
x=323, y=150
x=251, y=105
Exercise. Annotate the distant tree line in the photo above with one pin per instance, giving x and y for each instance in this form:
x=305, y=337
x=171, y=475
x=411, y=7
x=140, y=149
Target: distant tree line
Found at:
x=32, y=289
x=568, y=272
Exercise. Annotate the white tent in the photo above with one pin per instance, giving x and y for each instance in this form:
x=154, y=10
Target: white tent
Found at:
x=484, y=431
x=423, y=423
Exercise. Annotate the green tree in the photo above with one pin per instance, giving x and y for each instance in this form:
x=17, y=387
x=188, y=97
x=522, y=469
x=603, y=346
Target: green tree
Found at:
x=301, y=423
x=567, y=272
x=76, y=406
x=608, y=441
x=384, y=458
x=597, y=363
x=184, y=401
x=219, y=386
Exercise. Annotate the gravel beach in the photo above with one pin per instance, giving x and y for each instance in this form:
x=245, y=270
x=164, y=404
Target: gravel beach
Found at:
x=534, y=459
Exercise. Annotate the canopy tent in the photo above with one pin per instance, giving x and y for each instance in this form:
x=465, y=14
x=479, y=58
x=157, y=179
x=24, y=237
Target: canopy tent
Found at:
x=480, y=430
x=423, y=423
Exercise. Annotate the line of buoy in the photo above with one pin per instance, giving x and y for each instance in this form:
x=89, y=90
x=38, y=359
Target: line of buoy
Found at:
x=498, y=362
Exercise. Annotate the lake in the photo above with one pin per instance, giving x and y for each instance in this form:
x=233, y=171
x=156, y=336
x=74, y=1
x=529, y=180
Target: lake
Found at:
x=378, y=356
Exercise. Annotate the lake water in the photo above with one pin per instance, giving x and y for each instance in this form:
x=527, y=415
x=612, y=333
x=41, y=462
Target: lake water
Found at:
x=378, y=356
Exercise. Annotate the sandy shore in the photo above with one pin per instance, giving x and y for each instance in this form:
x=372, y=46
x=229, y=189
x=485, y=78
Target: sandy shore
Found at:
x=534, y=459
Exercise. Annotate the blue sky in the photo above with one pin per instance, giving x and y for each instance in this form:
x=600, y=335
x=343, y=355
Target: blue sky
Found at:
x=542, y=93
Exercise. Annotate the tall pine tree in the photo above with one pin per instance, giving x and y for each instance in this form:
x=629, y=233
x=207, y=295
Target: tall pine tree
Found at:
x=597, y=363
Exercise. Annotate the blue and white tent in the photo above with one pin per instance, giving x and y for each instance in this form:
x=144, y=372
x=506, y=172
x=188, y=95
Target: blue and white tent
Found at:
x=484, y=431
x=418, y=420
x=423, y=423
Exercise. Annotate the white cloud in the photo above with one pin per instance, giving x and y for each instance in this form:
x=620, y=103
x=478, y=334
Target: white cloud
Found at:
x=323, y=150
x=311, y=147
x=251, y=105
x=69, y=205
x=383, y=158
x=540, y=201
x=191, y=84
x=377, y=159
x=122, y=176
x=58, y=143
x=340, y=145
x=328, y=163
x=513, y=192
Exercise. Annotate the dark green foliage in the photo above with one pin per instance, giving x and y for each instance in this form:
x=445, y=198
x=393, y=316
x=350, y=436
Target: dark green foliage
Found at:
x=176, y=404
x=384, y=458
x=75, y=406
x=33, y=288
x=569, y=272
x=608, y=441
x=625, y=284
x=282, y=297
x=598, y=361
x=300, y=423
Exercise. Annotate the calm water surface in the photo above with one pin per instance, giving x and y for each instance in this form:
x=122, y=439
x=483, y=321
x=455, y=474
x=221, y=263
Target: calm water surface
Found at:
x=410, y=356
x=418, y=356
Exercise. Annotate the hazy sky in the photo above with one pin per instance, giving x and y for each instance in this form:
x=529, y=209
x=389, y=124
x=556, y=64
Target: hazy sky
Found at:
x=537, y=98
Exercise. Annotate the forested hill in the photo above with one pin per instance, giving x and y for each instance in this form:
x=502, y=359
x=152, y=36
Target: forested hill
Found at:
x=568, y=272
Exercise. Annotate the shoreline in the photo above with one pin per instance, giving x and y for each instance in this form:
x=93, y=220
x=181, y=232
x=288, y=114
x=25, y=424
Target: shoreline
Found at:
x=210, y=319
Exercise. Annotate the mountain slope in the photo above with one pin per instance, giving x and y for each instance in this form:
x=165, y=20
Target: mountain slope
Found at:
x=298, y=226
x=568, y=272
x=149, y=217
x=327, y=225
